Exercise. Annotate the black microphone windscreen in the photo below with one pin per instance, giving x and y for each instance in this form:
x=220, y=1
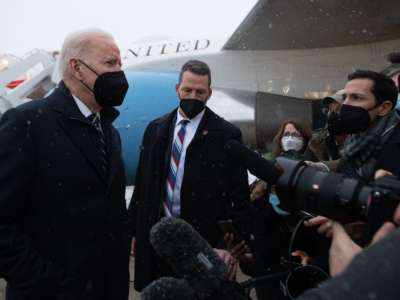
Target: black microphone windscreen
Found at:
x=188, y=254
x=168, y=288
x=253, y=162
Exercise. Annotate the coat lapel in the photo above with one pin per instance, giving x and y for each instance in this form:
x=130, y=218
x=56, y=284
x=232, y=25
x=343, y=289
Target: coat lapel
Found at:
x=114, y=150
x=75, y=125
x=113, y=141
x=207, y=124
x=80, y=135
x=164, y=137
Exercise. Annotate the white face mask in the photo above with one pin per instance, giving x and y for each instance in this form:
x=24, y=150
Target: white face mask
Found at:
x=292, y=143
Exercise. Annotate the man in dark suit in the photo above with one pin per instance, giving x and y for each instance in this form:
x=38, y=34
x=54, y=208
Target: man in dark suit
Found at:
x=63, y=218
x=184, y=172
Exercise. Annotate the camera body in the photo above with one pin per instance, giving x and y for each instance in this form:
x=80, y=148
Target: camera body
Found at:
x=330, y=194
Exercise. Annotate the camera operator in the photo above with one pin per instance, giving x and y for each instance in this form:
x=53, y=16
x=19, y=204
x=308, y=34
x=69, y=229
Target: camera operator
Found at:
x=344, y=199
x=354, y=268
x=368, y=116
x=305, y=189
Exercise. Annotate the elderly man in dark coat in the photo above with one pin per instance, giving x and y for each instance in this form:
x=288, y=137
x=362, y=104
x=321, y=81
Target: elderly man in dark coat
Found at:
x=62, y=186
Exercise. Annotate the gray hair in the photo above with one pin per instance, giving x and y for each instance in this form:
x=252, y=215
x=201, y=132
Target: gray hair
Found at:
x=75, y=45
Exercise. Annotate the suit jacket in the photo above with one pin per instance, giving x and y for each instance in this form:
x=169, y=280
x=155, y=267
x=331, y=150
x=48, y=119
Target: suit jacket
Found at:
x=214, y=188
x=63, y=226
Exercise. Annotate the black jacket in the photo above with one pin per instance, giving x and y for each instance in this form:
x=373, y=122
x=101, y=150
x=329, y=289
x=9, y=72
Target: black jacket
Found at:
x=389, y=157
x=213, y=188
x=62, y=225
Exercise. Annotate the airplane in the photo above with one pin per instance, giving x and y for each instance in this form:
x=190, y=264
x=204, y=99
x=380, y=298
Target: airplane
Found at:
x=283, y=58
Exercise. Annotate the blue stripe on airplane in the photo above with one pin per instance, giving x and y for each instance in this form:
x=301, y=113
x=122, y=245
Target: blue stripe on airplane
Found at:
x=150, y=95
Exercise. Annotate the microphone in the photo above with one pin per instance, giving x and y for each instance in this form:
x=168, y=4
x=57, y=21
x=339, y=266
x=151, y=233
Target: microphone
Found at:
x=252, y=161
x=189, y=255
x=168, y=288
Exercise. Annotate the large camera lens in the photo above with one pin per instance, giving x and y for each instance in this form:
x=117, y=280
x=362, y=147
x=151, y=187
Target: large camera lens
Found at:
x=303, y=188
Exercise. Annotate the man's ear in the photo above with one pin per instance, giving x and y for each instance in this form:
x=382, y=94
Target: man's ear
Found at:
x=385, y=107
x=209, y=96
x=75, y=68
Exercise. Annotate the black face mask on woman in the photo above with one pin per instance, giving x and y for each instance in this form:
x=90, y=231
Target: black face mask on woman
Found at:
x=191, y=107
x=350, y=119
x=109, y=88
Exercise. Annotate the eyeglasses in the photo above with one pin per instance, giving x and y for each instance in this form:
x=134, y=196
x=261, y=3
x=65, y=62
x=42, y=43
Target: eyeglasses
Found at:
x=293, y=134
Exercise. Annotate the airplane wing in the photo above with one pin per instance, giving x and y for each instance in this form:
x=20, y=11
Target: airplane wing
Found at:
x=305, y=24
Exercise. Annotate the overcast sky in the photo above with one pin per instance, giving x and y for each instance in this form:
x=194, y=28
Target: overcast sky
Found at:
x=29, y=24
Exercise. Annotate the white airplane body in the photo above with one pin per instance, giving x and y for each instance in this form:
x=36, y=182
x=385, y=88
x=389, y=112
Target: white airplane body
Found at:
x=283, y=56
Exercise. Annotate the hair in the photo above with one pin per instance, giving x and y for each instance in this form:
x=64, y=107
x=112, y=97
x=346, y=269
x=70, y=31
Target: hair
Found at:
x=301, y=126
x=383, y=87
x=197, y=67
x=76, y=45
x=394, y=58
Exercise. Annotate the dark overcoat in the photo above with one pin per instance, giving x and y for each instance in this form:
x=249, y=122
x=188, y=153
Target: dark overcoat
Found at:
x=63, y=224
x=214, y=187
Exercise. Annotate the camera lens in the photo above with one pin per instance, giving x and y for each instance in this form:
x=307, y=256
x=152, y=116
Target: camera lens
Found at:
x=322, y=193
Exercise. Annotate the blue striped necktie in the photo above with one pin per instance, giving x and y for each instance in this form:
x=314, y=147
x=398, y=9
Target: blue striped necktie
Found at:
x=171, y=206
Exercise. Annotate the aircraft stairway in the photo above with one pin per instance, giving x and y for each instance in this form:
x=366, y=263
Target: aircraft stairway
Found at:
x=27, y=79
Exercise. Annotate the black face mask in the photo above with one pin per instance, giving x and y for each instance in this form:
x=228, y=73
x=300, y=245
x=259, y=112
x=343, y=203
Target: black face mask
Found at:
x=350, y=119
x=191, y=107
x=109, y=88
